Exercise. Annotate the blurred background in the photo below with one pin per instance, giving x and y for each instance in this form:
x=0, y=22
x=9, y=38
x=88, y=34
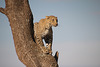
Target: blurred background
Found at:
x=77, y=37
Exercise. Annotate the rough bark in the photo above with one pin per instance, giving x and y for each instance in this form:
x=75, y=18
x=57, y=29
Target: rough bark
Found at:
x=21, y=22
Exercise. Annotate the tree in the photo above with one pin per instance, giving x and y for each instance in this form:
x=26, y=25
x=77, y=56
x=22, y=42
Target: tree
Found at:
x=21, y=22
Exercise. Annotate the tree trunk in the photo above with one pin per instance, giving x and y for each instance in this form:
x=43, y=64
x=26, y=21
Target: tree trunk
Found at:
x=21, y=22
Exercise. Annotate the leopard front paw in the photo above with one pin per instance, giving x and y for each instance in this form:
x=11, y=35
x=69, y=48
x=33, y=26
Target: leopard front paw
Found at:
x=45, y=50
x=50, y=52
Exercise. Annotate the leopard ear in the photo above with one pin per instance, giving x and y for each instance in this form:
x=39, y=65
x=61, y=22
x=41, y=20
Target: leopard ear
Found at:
x=47, y=17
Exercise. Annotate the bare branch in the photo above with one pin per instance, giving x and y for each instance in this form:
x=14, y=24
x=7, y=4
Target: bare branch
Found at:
x=2, y=10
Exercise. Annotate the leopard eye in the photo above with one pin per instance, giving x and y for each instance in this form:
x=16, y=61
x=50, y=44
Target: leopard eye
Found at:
x=57, y=20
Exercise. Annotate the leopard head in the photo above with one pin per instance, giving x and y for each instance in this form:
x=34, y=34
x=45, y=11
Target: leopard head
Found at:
x=52, y=20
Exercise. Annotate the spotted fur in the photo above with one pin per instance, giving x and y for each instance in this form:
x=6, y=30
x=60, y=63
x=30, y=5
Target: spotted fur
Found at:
x=43, y=30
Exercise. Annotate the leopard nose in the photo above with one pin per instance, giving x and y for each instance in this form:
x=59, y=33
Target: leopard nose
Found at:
x=56, y=24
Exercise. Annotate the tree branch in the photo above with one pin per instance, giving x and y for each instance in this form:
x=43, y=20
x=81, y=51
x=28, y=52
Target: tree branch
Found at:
x=21, y=22
x=2, y=10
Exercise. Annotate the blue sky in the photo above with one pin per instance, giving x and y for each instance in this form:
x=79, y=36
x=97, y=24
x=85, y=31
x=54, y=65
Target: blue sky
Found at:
x=77, y=37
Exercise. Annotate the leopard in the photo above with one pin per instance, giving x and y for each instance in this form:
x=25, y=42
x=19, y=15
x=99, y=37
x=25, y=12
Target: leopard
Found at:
x=43, y=31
